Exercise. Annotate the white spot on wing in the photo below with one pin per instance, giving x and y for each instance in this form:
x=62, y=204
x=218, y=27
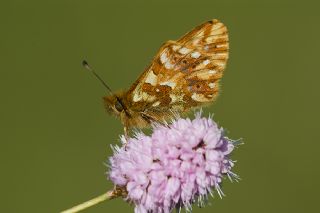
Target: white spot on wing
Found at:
x=151, y=78
x=211, y=85
x=206, y=62
x=195, y=55
x=156, y=103
x=163, y=57
x=202, y=74
x=212, y=72
x=169, y=83
x=142, y=96
x=148, y=98
x=184, y=50
x=199, y=97
x=168, y=65
x=175, y=47
x=137, y=97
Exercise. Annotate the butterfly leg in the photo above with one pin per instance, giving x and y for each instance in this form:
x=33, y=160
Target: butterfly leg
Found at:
x=150, y=119
x=126, y=133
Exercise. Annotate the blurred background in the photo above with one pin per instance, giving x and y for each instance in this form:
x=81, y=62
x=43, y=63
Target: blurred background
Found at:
x=55, y=134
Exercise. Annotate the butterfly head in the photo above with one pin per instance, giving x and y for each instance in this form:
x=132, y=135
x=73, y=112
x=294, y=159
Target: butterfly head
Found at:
x=119, y=106
x=114, y=104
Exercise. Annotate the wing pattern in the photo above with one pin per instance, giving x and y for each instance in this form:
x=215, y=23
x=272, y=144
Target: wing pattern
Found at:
x=184, y=73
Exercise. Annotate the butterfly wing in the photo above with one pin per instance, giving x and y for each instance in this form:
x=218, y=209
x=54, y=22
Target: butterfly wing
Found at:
x=184, y=73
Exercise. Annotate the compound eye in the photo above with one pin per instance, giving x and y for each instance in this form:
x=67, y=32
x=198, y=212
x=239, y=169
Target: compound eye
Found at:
x=118, y=106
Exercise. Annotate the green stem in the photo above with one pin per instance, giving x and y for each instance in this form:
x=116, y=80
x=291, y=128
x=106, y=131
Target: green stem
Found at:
x=106, y=196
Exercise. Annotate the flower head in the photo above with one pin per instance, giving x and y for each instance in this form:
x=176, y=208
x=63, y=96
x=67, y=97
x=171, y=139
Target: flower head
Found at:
x=175, y=166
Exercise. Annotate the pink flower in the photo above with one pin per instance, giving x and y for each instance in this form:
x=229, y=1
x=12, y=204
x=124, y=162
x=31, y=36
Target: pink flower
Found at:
x=173, y=167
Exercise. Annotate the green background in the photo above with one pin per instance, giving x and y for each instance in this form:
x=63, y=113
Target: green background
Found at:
x=56, y=136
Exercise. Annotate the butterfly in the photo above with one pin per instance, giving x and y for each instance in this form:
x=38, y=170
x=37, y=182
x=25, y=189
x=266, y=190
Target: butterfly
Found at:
x=184, y=74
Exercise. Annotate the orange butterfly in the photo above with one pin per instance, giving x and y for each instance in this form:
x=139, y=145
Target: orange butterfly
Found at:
x=184, y=74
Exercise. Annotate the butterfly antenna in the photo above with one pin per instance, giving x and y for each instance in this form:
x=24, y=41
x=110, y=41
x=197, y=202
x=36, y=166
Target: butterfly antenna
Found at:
x=86, y=65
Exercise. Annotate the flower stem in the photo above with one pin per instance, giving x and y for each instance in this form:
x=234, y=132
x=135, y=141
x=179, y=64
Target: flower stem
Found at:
x=106, y=196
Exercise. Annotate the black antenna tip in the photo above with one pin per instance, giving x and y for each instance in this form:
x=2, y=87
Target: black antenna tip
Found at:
x=84, y=63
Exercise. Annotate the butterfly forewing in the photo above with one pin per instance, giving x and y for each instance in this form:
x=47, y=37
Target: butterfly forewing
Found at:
x=184, y=73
